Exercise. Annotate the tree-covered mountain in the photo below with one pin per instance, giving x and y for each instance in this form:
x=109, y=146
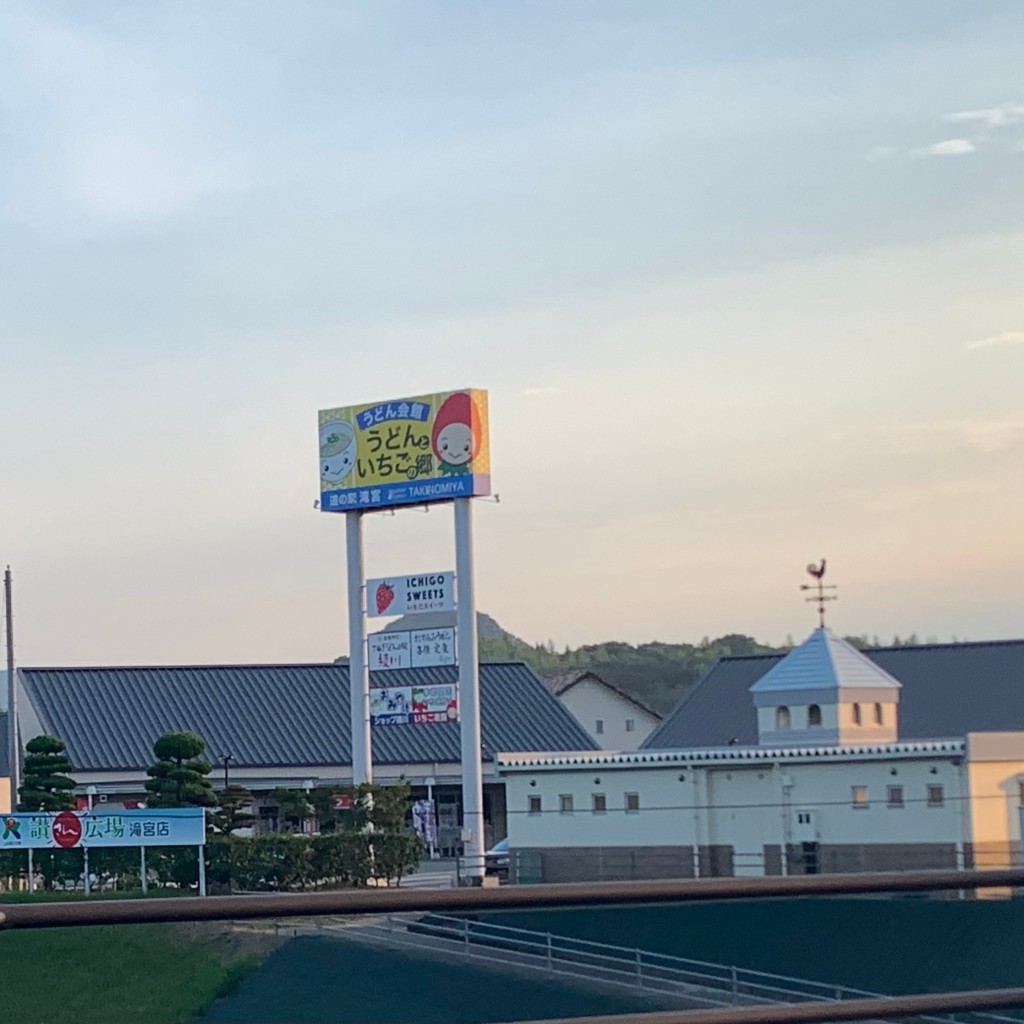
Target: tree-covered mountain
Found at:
x=657, y=674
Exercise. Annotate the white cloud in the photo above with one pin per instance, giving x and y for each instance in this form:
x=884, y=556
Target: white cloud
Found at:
x=880, y=153
x=938, y=438
x=948, y=147
x=1005, y=338
x=990, y=117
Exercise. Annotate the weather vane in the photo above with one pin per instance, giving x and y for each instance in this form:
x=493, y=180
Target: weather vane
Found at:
x=818, y=572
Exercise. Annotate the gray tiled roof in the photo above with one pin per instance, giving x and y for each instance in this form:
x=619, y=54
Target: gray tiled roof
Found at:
x=5, y=764
x=279, y=715
x=948, y=690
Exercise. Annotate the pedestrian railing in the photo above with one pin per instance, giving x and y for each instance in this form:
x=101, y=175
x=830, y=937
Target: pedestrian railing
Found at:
x=695, y=981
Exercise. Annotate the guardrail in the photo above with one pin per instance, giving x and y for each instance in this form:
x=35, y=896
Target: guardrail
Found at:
x=658, y=973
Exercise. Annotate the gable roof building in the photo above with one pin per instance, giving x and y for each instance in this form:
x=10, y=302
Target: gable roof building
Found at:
x=278, y=722
x=614, y=719
x=945, y=690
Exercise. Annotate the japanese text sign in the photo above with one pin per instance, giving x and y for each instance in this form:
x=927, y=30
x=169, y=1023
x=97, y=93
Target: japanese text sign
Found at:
x=414, y=705
x=402, y=595
x=71, y=829
x=409, y=451
x=417, y=648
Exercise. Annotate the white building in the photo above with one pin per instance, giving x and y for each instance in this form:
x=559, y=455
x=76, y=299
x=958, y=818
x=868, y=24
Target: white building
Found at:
x=614, y=719
x=829, y=785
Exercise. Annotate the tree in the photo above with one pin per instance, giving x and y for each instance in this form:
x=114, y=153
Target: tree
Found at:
x=179, y=776
x=234, y=810
x=48, y=785
x=294, y=805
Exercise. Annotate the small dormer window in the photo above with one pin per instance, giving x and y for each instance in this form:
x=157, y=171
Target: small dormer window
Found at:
x=813, y=715
x=879, y=718
x=782, y=718
x=856, y=714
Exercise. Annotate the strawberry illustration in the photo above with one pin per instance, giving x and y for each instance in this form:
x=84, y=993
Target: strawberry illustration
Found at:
x=384, y=596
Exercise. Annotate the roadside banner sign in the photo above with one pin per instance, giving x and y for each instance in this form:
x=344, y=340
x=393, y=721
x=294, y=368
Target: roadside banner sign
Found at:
x=405, y=595
x=184, y=826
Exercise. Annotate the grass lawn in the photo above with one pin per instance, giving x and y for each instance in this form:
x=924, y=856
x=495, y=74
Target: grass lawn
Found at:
x=120, y=974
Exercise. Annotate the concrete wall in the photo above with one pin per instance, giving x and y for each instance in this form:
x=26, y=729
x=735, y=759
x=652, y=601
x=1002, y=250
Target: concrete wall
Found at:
x=590, y=702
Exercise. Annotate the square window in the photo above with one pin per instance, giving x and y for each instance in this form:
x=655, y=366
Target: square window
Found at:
x=565, y=803
x=630, y=725
x=936, y=796
x=894, y=796
x=598, y=803
x=859, y=796
x=599, y=727
x=632, y=803
x=533, y=805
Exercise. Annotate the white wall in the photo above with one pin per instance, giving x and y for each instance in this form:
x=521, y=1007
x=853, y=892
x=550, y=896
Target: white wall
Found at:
x=589, y=702
x=745, y=806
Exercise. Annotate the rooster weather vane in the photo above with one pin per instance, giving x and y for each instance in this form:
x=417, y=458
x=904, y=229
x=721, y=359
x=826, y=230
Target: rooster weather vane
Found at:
x=819, y=597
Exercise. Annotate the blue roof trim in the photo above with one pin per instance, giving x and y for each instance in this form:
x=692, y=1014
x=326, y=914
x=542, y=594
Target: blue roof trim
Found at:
x=271, y=716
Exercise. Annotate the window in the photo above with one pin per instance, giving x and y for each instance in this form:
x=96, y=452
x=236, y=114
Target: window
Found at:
x=813, y=715
x=599, y=727
x=782, y=718
x=859, y=796
x=879, y=718
x=632, y=803
x=598, y=803
x=630, y=725
x=894, y=796
x=533, y=805
x=856, y=714
x=565, y=803
x=936, y=796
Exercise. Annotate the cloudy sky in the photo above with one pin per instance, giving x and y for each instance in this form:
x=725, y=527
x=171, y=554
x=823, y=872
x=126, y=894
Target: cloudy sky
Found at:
x=743, y=280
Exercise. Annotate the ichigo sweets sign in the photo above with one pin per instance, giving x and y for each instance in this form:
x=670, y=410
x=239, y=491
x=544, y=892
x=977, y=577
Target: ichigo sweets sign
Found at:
x=402, y=595
x=409, y=451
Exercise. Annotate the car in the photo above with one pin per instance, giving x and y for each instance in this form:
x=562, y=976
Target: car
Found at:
x=497, y=859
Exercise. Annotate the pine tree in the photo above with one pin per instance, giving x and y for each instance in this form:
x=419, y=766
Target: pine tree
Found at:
x=179, y=776
x=47, y=785
x=233, y=810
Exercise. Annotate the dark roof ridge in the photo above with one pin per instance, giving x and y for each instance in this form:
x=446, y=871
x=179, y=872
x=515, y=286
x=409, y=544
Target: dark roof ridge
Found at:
x=885, y=647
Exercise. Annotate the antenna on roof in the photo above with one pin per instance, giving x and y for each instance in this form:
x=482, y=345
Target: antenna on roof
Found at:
x=819, y=597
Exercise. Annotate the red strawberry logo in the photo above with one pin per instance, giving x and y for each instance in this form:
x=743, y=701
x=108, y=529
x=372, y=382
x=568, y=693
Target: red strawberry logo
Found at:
x=384, y=596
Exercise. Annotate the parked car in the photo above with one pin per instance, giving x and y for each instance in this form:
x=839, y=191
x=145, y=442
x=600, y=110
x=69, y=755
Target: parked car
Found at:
x=497, y=859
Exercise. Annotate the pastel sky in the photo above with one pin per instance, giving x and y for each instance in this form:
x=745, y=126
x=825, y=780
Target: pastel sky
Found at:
x=744, y=281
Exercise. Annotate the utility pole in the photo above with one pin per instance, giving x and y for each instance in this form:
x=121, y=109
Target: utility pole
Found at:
x=13, y=748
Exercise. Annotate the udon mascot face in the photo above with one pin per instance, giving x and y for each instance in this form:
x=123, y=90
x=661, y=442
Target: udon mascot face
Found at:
x=337, y=451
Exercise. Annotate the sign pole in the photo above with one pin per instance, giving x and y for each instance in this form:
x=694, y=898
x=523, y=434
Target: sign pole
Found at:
x=201, y=850
x=469, y=694
x=142, y=870
x=31, y=873
x=13, y=744
x=85, y=864
x=358, y=669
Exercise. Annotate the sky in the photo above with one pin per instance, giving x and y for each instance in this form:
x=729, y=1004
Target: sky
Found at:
x=743, y=281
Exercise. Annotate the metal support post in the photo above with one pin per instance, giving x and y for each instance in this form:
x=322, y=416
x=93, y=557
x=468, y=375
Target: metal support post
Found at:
x=142, y=870
x=469, y=694
x=85, y=864
x=202, y=870
x=358, y=669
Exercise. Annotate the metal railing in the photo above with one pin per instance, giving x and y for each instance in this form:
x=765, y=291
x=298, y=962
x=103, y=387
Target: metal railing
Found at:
x=696, y=981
